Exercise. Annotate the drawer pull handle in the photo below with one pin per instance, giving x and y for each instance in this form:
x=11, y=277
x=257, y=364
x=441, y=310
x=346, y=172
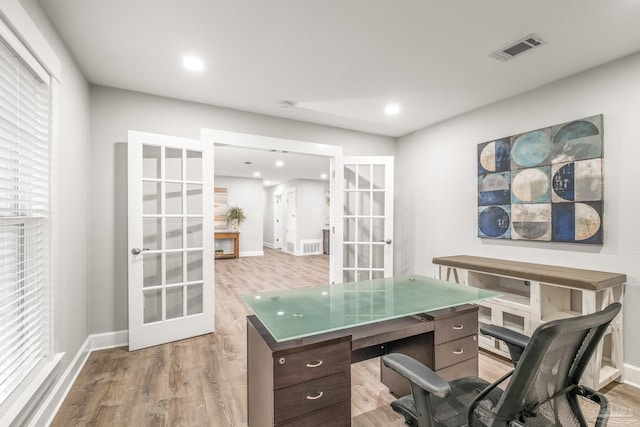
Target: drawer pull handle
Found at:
x=314, y=363
x=458, y=327
x=316, y=396
x=459, y=351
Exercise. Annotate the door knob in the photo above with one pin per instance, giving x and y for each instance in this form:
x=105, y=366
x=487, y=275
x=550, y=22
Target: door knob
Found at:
x=136, y=251
x=388, y=241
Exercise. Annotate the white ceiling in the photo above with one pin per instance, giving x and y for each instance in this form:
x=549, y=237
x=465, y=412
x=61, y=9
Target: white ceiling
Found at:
x=342, y=61
x=232, y=161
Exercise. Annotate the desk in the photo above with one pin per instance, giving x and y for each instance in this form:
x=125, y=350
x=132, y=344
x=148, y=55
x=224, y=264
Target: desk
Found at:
x=301, y=342
x=233, y=235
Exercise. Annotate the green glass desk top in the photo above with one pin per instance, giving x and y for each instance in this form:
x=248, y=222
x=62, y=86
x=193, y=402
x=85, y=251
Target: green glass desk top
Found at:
x=301, y=312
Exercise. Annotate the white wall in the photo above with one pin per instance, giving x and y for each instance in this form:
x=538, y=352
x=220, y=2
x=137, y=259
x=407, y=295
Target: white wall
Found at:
x=113, y=113
x=71, y=178
x=247, y=194
x=436, y=181
x=310, y=210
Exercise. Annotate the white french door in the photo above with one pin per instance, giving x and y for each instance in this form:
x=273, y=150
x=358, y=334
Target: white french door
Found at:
x=367, y=229
x=171, y=283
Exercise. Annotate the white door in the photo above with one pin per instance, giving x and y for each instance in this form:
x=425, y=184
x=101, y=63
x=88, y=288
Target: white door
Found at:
x=367, y=249
x=291, y=220
x=171, y=280
x=277, y=221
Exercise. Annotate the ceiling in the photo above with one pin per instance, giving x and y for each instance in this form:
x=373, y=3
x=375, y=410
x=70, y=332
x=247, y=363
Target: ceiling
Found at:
x=340, y=62
x=233, y=161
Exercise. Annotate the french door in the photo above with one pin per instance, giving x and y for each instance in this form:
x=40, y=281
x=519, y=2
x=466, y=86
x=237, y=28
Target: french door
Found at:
x=171, y=283
x=367, y=229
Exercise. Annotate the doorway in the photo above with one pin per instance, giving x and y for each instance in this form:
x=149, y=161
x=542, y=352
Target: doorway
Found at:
x=332, y=153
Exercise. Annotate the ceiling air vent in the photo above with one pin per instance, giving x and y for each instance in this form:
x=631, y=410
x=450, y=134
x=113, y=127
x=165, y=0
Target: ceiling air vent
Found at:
x=518, y=48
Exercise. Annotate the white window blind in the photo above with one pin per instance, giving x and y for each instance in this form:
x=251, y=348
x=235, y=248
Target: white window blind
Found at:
x=24, y=220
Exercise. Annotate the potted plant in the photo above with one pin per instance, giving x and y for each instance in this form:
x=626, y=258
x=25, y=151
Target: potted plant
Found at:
x=236, y=216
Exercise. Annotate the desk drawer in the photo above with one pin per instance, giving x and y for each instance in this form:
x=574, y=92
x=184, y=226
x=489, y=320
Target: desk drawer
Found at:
x=300, y=399
x=457, y=351
x=338, y=415
x=452, y=328
x=307, y=365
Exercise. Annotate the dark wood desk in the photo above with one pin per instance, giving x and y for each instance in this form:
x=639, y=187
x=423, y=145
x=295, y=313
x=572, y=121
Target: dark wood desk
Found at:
x=233, y=235
x=307, y=381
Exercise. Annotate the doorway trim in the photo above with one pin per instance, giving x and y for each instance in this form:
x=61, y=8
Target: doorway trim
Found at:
x=333, y=152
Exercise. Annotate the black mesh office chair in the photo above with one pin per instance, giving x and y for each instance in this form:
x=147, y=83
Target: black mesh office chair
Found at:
x=542, y=391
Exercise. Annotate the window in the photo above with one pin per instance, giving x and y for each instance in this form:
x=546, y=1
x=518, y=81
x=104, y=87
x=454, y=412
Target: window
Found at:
x=25, y=342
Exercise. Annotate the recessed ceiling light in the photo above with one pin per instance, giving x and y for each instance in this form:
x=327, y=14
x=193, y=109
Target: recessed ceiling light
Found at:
x=256, y=174
x=323, y=176
x=193, y=63
x=392, y=109
x=279, y=163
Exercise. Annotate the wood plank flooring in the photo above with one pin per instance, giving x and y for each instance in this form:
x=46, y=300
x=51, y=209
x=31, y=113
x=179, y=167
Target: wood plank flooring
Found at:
x=202, y=381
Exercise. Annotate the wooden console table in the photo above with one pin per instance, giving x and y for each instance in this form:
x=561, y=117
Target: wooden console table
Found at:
x=536, y=293
x=233, y=235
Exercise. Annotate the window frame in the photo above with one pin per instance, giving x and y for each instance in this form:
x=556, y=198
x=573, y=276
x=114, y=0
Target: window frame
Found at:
x=22, y=36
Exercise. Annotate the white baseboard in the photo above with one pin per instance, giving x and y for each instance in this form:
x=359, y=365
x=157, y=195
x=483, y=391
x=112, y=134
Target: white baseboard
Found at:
x=268, y=245
x=632, y=375
x=56, y=397
x=251, y=253
x=109, y=340
x=59, y=392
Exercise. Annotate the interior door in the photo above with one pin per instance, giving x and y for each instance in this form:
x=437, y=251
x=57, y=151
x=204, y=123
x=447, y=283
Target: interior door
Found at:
x=291, y=231
x=170, y=238
x=367, y=249
x=277, y=221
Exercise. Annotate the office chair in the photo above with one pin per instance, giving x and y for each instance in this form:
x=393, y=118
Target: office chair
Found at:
x=542, y=391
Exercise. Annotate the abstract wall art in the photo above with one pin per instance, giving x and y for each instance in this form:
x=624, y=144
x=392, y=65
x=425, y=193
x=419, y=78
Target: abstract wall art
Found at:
x=543, y=185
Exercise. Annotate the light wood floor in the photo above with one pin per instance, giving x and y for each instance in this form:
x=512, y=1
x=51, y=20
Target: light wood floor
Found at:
x=202, y=381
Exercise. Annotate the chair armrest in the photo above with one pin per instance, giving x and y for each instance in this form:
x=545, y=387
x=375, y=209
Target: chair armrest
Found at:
x=417, y=373
x=516, y=342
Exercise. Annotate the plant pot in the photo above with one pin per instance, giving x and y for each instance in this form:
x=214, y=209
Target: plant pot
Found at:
x=235, y=224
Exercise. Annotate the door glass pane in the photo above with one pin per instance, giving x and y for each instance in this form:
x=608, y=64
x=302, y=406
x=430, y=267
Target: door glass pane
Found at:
x=151, y=269
x=151, y=232
x=152, y=305
x=378, y=176
x=174, y=268
x=173, y=163
x=194, y=199
x=378, y=203
x=194, y=266
x=377, y=274
x=349, y=256
x=364, y=205
x=194, y=166
x=151, y=198
x=377, y=229
x=150, y=162
x=350, y=203
x=363, y=275
x=194, y=299
x=349, y=176
x=348, y=276
x=173, y=198
x=194, y=232
x=363, y=256
x=377, y=258
x=174, y=233
x=364, y=177
x=350, y=229
x=364, y=229
x=174, y=302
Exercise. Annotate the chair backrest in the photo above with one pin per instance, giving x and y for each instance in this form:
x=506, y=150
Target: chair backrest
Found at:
x=540, y=390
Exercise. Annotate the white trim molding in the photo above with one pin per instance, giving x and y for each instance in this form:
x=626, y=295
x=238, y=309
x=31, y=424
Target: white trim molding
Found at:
x=632, y=375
